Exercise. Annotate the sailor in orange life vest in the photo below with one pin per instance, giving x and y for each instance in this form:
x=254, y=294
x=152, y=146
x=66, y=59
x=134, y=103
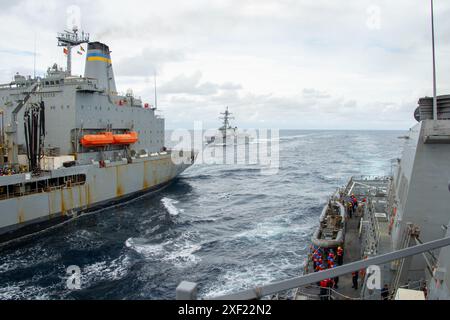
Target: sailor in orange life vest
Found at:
x=355, y=203
x=324, y=289
x=331, y=254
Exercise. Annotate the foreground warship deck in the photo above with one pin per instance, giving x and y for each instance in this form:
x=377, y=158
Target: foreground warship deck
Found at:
x=401, y=228
x=370, y=224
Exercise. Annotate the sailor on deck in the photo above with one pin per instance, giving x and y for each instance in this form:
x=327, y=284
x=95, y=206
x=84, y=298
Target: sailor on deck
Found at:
x=325, y=289
x=355, y=280
x=340, y=256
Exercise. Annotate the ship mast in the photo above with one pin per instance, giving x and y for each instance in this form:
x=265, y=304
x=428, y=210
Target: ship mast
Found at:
x=156, y=100
x=434, y=65
x=226, y=119
x=70, y=39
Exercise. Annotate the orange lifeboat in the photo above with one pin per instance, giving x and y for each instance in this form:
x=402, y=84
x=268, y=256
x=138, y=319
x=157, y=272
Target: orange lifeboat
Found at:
x=126, y=138
x=97, y=140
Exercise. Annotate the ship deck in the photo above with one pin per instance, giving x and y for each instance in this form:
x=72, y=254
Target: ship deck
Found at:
x=364, y=237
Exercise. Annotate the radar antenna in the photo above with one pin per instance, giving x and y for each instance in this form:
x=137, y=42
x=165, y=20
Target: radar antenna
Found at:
x=70, y=39
x=226, y=119
x=156, y=100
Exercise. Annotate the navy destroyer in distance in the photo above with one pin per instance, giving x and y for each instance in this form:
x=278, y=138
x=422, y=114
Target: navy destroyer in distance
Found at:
x=71, y=144
x=227, y=134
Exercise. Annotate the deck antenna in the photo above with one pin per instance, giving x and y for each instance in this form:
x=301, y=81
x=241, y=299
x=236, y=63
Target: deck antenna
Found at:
x=34, y=62
x=156, y=100
x=68, y=40
x=434, y=65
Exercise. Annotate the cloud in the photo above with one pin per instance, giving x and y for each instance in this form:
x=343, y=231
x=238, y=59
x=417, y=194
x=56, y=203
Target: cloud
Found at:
x=287, y=63
x=148, y=62
x=312, y=93
x=316, y=111
x=16, y=52
x=191, y=85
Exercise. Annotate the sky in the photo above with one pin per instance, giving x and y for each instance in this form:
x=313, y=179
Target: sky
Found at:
x=286, y=64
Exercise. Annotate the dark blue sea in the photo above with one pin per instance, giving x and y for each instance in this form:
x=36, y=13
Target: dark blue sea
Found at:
x=225, y=226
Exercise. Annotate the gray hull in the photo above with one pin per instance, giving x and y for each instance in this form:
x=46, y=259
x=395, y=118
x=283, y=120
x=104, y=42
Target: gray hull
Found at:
x=120, y=181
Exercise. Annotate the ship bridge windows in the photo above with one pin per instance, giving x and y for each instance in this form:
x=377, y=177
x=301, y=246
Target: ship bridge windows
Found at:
x=41, y=186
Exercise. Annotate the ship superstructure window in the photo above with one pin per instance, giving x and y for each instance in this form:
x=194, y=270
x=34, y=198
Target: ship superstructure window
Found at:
x=46, y=185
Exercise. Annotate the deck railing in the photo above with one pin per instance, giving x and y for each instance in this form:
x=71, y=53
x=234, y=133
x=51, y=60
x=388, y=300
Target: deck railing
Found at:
x=188, y=290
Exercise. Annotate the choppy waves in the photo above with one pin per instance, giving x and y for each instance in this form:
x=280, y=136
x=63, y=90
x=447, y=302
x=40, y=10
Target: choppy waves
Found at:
x=227, y=227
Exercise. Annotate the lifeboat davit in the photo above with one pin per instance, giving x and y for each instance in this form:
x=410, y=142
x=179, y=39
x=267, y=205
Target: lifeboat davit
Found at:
x=96, y=140
x=126, y=138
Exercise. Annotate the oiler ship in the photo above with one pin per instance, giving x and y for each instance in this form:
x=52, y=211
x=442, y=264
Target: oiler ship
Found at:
x=73, y=144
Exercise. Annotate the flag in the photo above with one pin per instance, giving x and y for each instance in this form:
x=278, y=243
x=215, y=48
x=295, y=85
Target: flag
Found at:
x=66, y=51
x=82, y=49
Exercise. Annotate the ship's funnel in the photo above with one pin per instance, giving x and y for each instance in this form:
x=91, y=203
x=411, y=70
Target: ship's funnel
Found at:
x=99, y=66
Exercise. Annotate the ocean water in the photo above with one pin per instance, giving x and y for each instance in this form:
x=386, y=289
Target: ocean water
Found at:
x=227, y=227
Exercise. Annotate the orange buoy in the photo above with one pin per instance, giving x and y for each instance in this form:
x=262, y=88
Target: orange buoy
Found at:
x=126, y=138
x=96, y=140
